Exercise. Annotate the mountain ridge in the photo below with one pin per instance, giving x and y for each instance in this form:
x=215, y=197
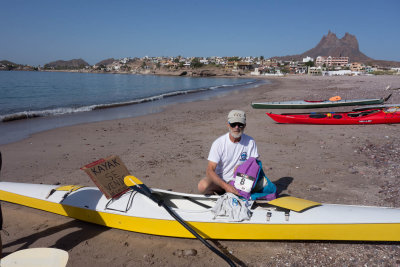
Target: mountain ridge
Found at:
x=347, y=46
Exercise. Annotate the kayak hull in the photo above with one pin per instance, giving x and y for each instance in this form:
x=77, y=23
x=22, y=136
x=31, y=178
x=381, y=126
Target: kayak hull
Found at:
x=303, y=104
x=371, y=116
x=134, y=212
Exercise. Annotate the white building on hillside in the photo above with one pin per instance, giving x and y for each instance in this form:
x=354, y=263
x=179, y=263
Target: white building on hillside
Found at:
x=307, y=59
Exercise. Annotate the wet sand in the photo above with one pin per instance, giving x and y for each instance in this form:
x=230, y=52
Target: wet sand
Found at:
x=332, y=164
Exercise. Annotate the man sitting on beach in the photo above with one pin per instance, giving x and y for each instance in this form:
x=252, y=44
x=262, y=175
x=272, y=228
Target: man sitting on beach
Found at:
x=226, y=153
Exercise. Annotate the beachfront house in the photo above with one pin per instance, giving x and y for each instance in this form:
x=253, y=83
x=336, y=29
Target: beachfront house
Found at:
x=256, y=72
x=315, y=71
x=357, y=67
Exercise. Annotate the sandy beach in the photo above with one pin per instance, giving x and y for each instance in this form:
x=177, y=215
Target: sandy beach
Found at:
x=353, y=164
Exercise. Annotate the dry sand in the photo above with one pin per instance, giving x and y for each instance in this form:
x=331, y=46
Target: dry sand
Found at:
x=168, y=150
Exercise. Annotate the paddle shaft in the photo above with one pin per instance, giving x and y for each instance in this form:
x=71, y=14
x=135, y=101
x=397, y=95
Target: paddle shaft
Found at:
x=143, y=189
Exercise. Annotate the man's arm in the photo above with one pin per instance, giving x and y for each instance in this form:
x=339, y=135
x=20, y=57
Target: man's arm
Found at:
x=213, y=176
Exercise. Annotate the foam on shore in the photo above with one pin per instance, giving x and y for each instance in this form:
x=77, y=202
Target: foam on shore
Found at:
x=29, y=114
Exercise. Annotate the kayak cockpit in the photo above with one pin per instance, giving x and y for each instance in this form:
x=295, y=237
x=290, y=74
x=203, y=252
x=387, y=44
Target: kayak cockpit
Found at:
x=179, y=201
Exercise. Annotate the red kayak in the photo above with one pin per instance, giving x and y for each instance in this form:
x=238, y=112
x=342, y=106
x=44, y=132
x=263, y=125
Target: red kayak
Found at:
x=370, y=116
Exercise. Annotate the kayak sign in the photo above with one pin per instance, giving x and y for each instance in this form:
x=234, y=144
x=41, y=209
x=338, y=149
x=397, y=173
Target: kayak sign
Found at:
x=108, y=174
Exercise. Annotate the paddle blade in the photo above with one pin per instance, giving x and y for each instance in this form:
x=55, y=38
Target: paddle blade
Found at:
x=131, y=180
x=44, y=257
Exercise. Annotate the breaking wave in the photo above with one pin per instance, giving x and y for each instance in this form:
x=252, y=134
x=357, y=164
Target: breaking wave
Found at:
x=70, y=110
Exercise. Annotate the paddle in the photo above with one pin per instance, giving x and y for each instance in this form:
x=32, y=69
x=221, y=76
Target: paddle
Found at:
x=389, y=88
x=387, y=98
x=140, y=187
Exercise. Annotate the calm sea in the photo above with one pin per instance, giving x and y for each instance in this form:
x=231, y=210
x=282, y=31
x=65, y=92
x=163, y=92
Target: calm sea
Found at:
x=57, y=99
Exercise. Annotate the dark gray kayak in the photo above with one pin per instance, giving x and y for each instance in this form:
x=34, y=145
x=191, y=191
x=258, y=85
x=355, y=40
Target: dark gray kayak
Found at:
x=300, y=104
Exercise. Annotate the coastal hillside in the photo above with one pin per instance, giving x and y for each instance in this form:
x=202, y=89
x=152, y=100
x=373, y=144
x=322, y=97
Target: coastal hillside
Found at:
x=8, y=65
x=6, y=62
x=69, y=64
x=106, y=62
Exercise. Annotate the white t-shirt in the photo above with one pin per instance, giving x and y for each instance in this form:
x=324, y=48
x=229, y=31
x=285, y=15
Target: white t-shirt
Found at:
x=228, y=154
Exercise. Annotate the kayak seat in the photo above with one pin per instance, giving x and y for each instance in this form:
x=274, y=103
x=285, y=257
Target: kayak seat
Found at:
x=353, y=115
x=317, y=116
x=337, y=116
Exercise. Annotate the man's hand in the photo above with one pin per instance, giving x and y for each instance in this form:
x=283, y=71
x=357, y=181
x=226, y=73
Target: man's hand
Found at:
x=230, y=189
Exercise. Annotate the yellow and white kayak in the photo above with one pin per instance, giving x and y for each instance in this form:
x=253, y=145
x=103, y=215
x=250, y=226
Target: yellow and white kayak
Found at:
x=285, y=218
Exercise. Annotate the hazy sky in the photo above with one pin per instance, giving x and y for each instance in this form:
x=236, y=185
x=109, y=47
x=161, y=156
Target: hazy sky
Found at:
x=40, y=31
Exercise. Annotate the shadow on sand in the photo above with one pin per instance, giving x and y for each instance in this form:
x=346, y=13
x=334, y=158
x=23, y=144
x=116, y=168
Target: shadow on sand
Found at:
x=282, y=184
x=67, y=242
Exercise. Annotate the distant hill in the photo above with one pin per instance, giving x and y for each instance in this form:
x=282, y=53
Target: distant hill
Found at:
x=69, y=64
x=8, y=65
x=347, y=46
x=106, y=62
x=6, y=62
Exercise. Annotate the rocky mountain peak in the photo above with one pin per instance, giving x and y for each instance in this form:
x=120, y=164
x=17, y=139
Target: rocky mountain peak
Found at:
x=350, y=40
x=330, y=45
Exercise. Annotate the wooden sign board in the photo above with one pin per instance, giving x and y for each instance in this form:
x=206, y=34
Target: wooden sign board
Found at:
x=108, y=174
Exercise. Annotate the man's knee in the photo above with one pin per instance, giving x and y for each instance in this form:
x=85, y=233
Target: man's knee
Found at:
x=202, y=185
x=207, y=187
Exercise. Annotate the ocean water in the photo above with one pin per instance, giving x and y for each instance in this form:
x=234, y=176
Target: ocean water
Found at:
x=57, y=99
x=34, y=94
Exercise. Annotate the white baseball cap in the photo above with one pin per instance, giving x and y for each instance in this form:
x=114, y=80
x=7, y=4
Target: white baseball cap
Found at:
x=237, y=116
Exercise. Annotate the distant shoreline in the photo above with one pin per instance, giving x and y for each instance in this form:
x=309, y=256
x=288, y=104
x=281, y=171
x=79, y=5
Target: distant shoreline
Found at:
x=202, y=72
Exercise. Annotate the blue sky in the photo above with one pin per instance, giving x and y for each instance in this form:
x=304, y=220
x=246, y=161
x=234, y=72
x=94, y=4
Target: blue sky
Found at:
x=41, y=31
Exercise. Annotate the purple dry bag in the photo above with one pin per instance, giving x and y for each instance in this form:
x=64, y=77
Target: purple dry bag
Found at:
x=251, y=181
x=246, y=177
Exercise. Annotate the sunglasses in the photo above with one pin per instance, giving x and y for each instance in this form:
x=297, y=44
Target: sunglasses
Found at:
x=240, y=125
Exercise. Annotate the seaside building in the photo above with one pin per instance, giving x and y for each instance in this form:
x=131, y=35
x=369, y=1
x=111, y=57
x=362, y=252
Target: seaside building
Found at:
x=338, y=73
x=266, y=71
x=356, y=66
x=332, y=61
x=204, y=61
x=397, y=70
x=315, y=71
x=256, y=72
